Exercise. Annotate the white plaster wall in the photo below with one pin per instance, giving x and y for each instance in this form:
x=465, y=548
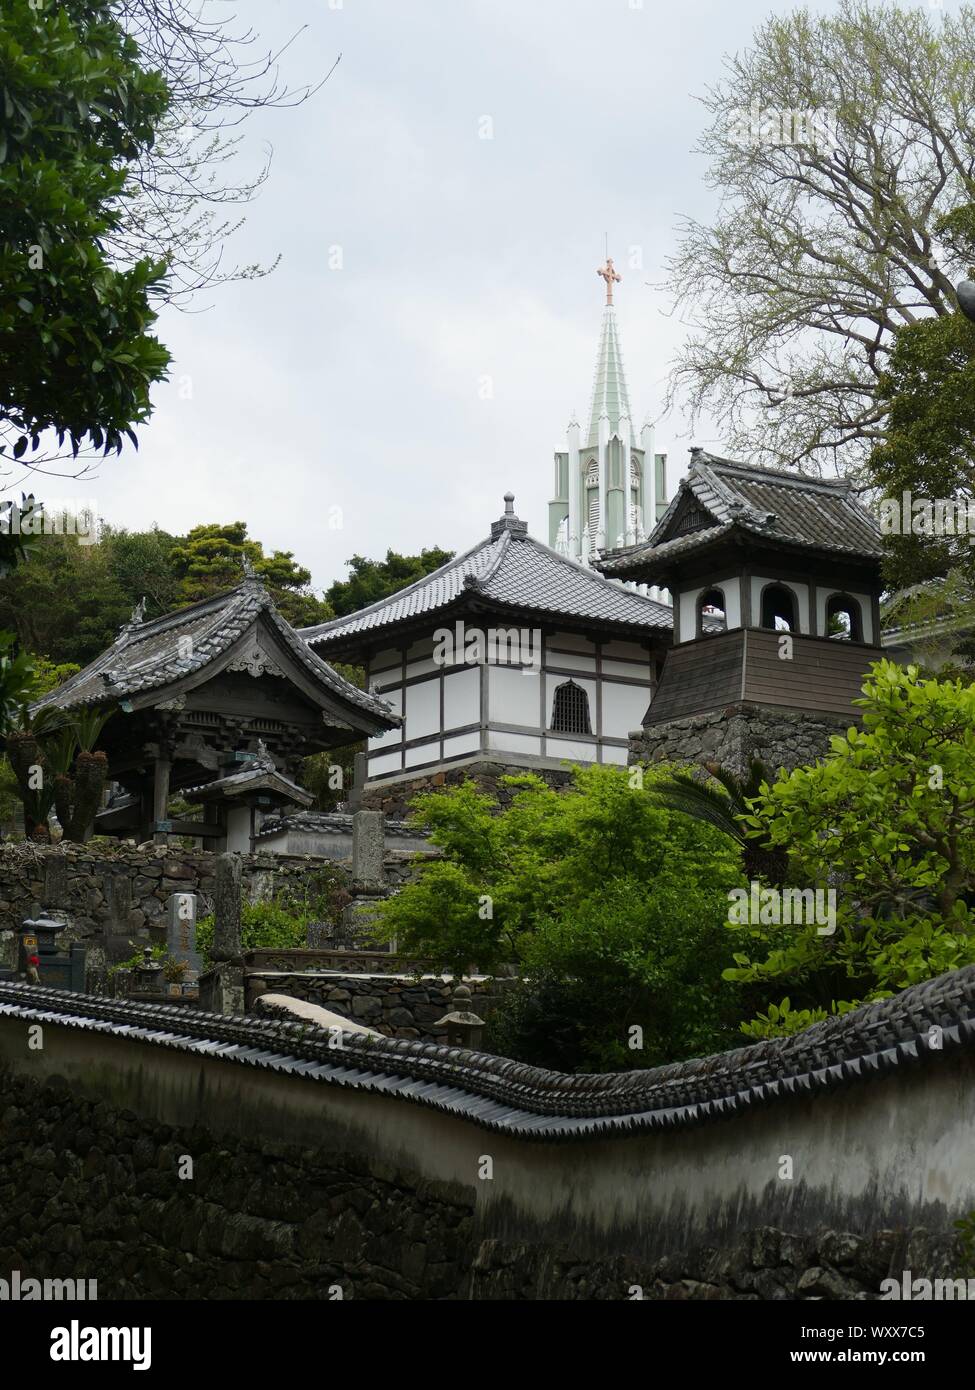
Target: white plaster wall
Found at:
x=730, y=587
x=461, y=697
x=381, y=766
x=423, y=709
x=636, y=670
x=556, y=747
x=618, y=756
x=423, y=667
x=423, y=753
x=513, y=743
x=623, y=708
x=461, y=743
x=513, y=697
x=571, y=661
x=900, y=1143
x=239, y=829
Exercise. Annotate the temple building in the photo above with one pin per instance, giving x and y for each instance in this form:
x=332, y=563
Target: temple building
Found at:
x=217, y=703
x=610, y=487
x=510, y=654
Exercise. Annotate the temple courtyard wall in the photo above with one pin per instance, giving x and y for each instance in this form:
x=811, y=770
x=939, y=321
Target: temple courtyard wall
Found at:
x=162, y=1169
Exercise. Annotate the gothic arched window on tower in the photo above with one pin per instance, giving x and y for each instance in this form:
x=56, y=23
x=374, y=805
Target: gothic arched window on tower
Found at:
x=843, y=618
x=779, y=609
x=711, y=611
x=570, y=710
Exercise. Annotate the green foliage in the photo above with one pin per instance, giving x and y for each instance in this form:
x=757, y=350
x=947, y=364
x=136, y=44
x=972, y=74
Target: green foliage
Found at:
x=371, y=580
x=282, y=922
x=209, y=560
x=18, y=681
x=262, y=925
x=888, y=820
x=929, y=447
x=782, y=1020
x=721, y=800
x=69, y=601
x=599, y=888
x=159, y=953
x=74, y=340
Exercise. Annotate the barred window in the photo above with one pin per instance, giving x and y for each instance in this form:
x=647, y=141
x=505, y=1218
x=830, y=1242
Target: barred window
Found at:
x=570, y=710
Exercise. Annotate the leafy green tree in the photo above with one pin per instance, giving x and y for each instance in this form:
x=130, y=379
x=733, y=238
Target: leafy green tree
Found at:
x=76, y=355
x=210, y=557
x=929, y=447
x=371, y=580
x=887, y=820
x=612, y=906
x=839, y=143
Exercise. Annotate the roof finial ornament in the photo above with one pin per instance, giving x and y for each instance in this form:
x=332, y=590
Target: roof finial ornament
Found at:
x=247, y=566
x=611, y=277
x=262, y=758
x=139, y=611
x=509, y=504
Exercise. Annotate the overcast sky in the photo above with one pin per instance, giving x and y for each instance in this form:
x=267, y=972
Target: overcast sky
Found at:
x=360, y=393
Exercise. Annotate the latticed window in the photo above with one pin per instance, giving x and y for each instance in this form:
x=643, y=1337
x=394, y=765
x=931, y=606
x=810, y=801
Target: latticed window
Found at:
x=570, y=710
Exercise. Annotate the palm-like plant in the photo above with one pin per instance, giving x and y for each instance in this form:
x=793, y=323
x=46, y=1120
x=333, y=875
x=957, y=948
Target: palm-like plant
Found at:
x=722, y=799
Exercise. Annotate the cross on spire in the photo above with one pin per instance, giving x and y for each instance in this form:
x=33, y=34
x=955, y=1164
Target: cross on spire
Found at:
x=608, y=274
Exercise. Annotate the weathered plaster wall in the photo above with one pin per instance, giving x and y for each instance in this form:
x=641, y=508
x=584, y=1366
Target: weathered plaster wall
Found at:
x=299, y=1184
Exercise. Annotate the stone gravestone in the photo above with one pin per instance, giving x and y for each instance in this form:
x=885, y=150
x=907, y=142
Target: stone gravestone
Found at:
x=318, y=936
x=222, y=987
x=54, y=881
x=368, y=846
x=181, y=912
x=368, y=876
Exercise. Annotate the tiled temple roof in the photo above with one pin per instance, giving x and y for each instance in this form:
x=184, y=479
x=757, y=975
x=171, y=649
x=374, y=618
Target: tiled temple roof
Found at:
x=513, y=570
x=149, y=656
x=763, y=503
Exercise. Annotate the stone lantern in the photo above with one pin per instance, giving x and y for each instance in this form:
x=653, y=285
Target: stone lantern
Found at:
x=464, y=1028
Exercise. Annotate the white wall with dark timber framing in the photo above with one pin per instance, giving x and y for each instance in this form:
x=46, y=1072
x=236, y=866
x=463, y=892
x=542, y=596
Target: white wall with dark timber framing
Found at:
x=566, y=697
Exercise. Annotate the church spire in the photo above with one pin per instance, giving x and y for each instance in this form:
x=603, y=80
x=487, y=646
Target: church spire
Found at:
x=609, y=394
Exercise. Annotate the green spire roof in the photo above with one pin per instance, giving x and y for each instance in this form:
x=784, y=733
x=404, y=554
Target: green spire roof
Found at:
x=609, y=391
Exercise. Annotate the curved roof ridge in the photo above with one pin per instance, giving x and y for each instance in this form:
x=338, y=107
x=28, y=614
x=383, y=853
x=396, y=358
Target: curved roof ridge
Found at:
x=311, y=634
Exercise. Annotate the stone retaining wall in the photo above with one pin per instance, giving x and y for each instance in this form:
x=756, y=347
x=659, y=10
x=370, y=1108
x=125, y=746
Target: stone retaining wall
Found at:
x=394, y=798
x=115, y=895
x=733, y=736
x=399, y=1006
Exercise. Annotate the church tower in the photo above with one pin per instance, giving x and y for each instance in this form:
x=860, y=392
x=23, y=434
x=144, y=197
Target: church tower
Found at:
x=610, y=490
